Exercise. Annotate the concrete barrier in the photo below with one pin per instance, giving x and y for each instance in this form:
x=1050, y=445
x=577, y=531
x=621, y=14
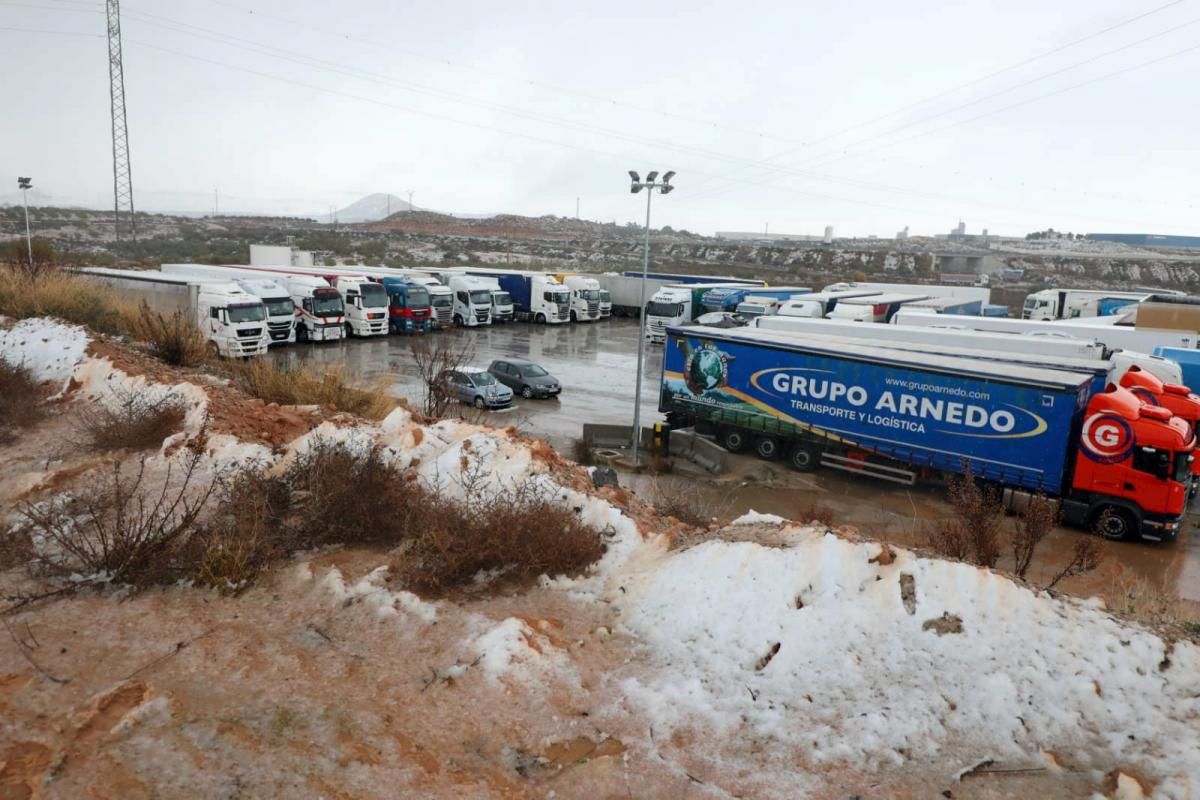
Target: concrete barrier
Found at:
x=695, y=448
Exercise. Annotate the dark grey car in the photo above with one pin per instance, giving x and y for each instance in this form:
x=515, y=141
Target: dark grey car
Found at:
x=525, y=377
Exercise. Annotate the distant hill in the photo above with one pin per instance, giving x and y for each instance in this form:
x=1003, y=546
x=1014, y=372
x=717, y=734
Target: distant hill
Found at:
x=372, y=208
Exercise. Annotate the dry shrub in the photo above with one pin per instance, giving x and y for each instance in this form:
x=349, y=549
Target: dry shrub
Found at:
x=20, y=400
x=299, y=385
x=816, y=510
x=346, y=496
x=123, y=527
x=244, y=534
x=173, y=338
x=1137, y=598
x=65, y=296
x=692, y=502
x=513, y=537
x=973, y=533
x=132, y=419
x=1038, y=519
x=1087, y=553
x=434, y=357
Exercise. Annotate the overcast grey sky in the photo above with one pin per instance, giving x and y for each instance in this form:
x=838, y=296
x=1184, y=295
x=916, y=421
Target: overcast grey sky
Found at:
x=868, y=116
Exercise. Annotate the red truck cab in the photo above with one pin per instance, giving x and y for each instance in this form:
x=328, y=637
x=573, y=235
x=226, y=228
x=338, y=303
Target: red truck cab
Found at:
x=1133, y=471
x=1179, y=400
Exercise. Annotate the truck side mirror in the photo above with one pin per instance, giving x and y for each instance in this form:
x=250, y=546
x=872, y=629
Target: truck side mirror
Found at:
x=223, y=315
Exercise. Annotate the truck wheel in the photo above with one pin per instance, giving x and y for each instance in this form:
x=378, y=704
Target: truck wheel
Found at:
x=540, y=319
x=573, y=317
x=1115, y=523
x=804, y=459
x=301, y=333
x=526, y=392
x=349, y=331
x=766, y=448
x=214, y=352
x=733, y=440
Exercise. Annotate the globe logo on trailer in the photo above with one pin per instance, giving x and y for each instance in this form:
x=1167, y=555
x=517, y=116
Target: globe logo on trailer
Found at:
x=1106, y=439
x=707, y=368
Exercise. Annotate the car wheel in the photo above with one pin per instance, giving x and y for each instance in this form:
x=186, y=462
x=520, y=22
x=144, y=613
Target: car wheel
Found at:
x=766, y=448
x=803, y=458
x=733, y=440
x=479, y=402
x=526, y=392
x=1115, y=523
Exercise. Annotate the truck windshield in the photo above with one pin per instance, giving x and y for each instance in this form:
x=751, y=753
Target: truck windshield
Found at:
x=441, y=300
x=417, y=298
x=327, y=304
x=481, y=297
x=279, y=306
x=373, y=295
x=254, y=313
x=605, y=297
x=501, y=299
x=657, y=309
x=1183, y=467
x=1030, y=302
x=559, y=297
x=590, y=294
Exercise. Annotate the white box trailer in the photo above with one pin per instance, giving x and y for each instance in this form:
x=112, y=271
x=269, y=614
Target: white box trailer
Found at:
x=981, y=293
x=970, y=339
x=1113, y=336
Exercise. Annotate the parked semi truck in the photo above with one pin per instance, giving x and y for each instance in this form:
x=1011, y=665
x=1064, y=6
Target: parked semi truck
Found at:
x=408, y=306
x=818, y=305
x=281, y=313
x=366, y=304
x=606, y=303
x=233, y=320
x=1071, y=303
x=320, y=313
x=981, y=293
x=585, y=296
x=875, y=308
x=1113, y=336
x=676, y=305
x=502, y=304
x=472, y=301
x=536, y=296
x=1115, y=463
x=728, y=298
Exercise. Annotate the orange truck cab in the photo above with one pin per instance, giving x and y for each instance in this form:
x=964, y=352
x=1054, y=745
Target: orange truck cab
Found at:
x=1133, y=470
x=1179, y=400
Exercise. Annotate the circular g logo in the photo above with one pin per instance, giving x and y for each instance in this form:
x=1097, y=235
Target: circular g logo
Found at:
x=1106, y=439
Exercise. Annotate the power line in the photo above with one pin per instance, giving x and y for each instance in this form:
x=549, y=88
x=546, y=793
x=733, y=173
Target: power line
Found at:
x=52, y=33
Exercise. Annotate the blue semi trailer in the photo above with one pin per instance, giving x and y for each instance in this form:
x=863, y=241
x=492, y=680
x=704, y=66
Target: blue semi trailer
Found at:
x=897, y=415
x=728, y=298
x=536, y=296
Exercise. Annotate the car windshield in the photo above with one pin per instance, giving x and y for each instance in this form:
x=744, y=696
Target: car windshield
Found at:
x=481, y=297
x=532, y=371
x=327, y=304
x=501, y=298
x=441, y=300
x=482, y=378
x=373, y=295
x=279, y=307
x=657, y=309
x=248, y=313
x=590, y=294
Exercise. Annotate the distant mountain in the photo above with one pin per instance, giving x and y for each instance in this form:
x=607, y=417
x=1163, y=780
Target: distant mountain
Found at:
x=372, y=208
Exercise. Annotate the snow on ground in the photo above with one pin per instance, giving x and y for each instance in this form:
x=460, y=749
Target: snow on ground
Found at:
x=753, y=517
x=48, y=348
x=818, y=651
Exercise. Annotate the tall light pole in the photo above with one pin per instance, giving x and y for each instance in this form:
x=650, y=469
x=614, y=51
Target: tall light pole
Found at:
x=25, y=184
x=650, y=185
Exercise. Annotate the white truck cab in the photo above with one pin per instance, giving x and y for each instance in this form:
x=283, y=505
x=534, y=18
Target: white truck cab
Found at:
x=281, y=314
x=320, y=313
x=441, y=299
x=758, y=306
x=872, y=308
x=234, y=320
x=1072, y=303
x=472, y=300
x=366, y=304
x=549, y=300
x=502, y=302
x=585, y=297
x=605, y=303
x=669, y=306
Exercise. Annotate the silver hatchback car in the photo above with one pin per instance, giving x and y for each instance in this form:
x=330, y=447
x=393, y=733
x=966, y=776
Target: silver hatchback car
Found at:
x=478, y=387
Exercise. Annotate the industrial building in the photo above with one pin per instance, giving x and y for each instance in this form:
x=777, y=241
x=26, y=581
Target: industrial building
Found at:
x=1146, y=239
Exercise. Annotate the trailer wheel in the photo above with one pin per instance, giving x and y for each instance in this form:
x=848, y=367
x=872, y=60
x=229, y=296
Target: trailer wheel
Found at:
x=803, y=459
x=1115, y=523
x=766, y=448
x=733, y=440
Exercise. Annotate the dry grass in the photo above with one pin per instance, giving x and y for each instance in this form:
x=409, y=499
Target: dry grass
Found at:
x=20, y=400
x=173, y=338
x=67, y=297
x=974, y=532
x=693, y=502
x=301, y=385
x=245, y=533
x=132, y=419
x=1137, y=598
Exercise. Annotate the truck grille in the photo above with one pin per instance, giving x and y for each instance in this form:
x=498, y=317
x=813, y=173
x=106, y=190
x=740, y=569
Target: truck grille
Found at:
x=656, y=326
x=564, y=310
x=593, y=309
x=246, y=333
x=482, y=316
x=443, y=316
